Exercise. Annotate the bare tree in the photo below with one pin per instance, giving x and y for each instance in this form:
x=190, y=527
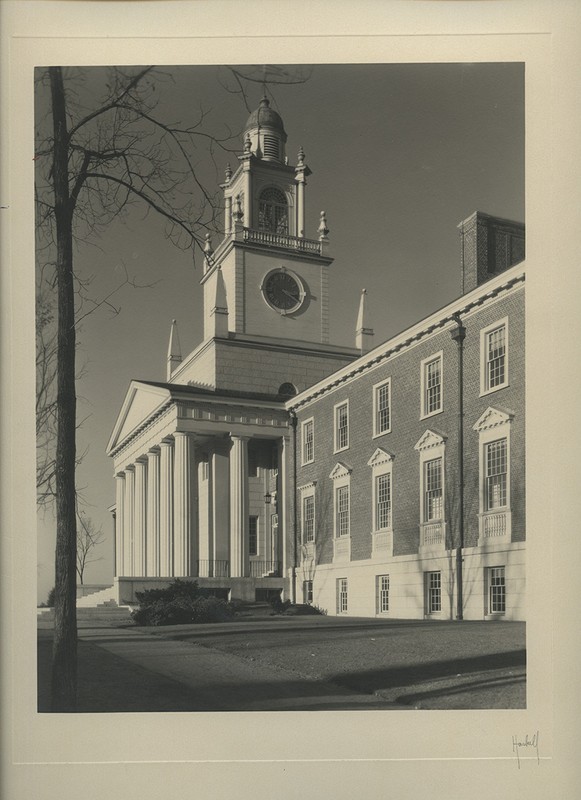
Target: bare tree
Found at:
x=96, y=162
x=89, y=537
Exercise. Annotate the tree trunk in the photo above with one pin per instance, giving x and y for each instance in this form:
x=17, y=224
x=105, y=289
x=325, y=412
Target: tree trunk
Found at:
x=64, y=665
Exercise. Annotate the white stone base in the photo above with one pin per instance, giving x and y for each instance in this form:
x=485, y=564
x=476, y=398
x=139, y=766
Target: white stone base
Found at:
x=406, y=579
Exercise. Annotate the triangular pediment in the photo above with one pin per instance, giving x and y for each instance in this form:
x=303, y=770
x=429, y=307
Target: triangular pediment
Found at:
x=492, y=418
x=430, y=439
x=340, y=470
x=380, y=457
x=142, y=401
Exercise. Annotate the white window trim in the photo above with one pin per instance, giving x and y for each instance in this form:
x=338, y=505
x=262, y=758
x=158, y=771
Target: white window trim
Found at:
x=376, y=389
x=489, y=611
x=439, y=355
x=484, y=356
x=431, y=446
x=337, y=449
x=378, y=609
x=341, y=476
x=338, y=591
x=304, y=424
x=494, y=424
x=308, y=490
x=381, y=463
x=428, y=612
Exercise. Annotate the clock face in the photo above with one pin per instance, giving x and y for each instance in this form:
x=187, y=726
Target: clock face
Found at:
x=283, y=291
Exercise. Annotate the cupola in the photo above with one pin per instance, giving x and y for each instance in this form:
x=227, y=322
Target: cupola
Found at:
x=265, y=132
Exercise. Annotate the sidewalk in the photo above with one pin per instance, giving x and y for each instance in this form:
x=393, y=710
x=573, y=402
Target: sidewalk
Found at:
x=124, y=669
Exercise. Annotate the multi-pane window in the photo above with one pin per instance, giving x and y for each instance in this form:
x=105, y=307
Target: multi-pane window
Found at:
x=382, y=403
x=273, y=211
x=308, y=429
x=496, y=357
x=383, y=501
x=342, y=511
x=342, y=426
x=253, y=536
x=496, y=590
x=434, y=592
x=433, y=500
x=308, y=518
x=341, y=595
x=308, y=592
x=432, y=381
x=382, y=593
x=495, y=455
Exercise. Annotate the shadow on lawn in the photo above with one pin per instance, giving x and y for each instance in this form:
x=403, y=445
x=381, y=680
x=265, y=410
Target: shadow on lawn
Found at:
x=499, y=682
x=412, y=674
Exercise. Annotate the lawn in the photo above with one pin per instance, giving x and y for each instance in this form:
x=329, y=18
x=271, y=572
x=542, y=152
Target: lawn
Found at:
x=424, y=665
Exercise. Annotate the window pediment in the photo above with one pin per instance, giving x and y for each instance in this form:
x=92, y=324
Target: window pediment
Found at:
x=380, y=456
x=430, y=439
x=340, y=470
x=492, y=418
x=307, y=486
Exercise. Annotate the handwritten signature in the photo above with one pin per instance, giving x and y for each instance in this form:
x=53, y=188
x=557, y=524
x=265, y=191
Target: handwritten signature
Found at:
x=519, y=744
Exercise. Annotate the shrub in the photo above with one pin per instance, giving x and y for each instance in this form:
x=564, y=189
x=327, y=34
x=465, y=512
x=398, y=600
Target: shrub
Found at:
x=182, y=602
x=50, y=598
x=302, y=610
x=279, y=606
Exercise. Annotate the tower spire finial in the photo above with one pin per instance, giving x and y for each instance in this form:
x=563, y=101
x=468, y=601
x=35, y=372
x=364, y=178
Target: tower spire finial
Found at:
x=363, y=334
x=174, y=351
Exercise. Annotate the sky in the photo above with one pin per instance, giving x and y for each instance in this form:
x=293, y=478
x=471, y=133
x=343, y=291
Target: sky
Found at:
x=400, y=155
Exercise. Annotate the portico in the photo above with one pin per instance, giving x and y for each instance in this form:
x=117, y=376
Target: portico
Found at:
x=194, y=487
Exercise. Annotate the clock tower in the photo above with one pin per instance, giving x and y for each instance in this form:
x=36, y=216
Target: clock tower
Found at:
x=266, y=305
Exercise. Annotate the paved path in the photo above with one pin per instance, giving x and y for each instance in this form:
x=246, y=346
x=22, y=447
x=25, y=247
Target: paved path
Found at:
x=127, y=669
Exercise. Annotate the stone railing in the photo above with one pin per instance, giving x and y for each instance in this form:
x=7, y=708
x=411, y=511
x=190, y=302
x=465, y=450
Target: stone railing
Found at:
x=433, y=534
x=271, y=239
x=495, y=525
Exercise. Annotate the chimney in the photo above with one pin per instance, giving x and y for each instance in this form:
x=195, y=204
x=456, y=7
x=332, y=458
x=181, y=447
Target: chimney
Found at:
x=363, y=334
x=488, y=246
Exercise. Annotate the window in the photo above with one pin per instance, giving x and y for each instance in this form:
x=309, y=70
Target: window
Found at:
x=252, y=465
x=342, y=511
x=494, y=357
x=432, y=449
x=433, y=490
x=341, y=426
x=308, y=592
x=308, y=441
x=308, y=519
x=434, y=592
x=341, y=595
x=273, y=211
x=496, y=474
x=496, y=590
x=382, y=408
x=382, y=594
x=383, y=501
x=495, y=516
x=253, y=536
x=431, y=378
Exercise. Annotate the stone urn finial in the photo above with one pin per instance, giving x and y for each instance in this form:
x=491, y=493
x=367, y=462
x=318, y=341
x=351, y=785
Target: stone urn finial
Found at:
x=323, y=229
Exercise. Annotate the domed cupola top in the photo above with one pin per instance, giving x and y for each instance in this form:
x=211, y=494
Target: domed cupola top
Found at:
x=265, y=130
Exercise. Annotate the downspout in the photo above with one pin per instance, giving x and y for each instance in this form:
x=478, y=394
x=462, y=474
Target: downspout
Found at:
x=459, y=334
x=293, y=419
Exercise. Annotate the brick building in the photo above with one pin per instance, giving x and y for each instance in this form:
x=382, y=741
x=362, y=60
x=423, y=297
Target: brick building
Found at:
x=365, y=481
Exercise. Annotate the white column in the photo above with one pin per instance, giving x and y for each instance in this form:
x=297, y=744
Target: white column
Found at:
x=301, y=208
x=128, y=522
x=185, y=507
x=220, y=507
x=166, y=459
x=153, y=503
x=239, y=561
x=140, y=519
x=119, y=524
x=247, y=196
